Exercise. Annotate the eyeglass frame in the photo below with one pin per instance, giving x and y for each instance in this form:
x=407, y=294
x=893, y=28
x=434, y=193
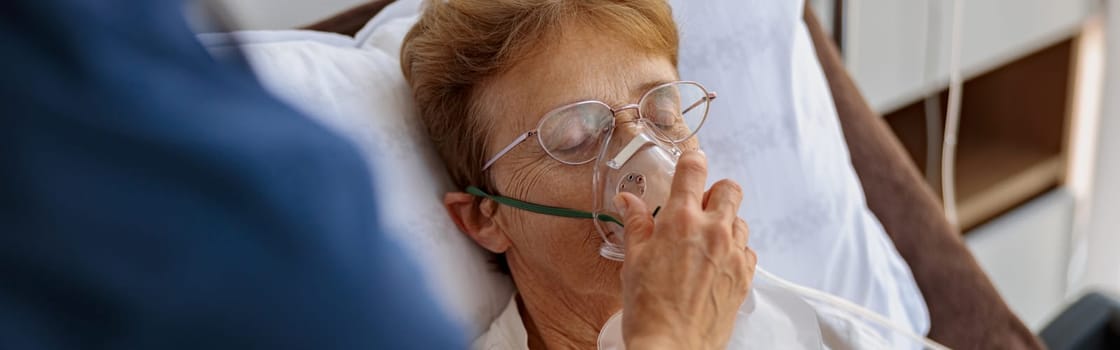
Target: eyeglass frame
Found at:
x=709, y=96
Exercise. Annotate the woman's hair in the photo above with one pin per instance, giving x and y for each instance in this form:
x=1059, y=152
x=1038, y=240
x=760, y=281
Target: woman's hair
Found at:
x=457, y=45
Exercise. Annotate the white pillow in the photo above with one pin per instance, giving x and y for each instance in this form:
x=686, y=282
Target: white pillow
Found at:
x=361, y=93
x=774, y=129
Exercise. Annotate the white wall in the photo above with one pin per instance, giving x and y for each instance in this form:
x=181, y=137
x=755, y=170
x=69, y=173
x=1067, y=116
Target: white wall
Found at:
x=895, y=60
x=1102, y=230
x=1024, y=253
x=282, y=14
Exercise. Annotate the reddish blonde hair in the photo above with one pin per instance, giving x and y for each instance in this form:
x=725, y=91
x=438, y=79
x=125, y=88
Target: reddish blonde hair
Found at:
x=458, y=44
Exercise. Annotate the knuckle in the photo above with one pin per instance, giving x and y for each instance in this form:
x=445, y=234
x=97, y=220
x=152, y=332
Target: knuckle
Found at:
x=729, y=204
x=731, y=187
x=637, y=228
x=691, y=163
x=739, y=262
x=742, y=271
x=752, y=258
x=742, y=262
x=694, y=214
x=719, y=239
x=635, y=222
x=742, y=227
x=686, y=216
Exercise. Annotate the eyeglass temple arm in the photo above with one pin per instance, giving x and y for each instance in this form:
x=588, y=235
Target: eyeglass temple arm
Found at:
x=509, y=147
x=543, y=209
x=709, y=97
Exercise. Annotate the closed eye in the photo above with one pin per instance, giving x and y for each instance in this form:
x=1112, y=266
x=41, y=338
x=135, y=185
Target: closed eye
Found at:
x=570, y=139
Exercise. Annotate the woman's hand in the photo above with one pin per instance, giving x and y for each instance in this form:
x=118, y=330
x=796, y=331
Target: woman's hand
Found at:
x=687, y=272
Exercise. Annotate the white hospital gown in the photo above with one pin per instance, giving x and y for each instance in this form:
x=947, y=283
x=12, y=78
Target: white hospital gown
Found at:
x=771, y=318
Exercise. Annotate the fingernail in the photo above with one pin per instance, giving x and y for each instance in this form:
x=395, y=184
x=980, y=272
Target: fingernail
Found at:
x=620, y=204
x=705, y=155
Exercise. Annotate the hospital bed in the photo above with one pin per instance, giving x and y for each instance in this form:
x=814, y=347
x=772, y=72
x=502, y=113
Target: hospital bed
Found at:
x=965, y=309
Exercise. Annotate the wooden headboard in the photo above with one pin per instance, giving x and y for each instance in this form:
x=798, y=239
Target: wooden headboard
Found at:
x=349, y=22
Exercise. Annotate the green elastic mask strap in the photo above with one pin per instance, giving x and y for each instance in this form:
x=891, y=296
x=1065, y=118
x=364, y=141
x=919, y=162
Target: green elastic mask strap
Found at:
x=542, y=209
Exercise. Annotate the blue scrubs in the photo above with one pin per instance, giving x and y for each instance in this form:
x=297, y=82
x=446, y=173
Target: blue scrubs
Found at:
x=152, y=198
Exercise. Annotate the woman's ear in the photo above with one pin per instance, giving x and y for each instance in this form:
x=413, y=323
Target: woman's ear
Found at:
x=478, y=224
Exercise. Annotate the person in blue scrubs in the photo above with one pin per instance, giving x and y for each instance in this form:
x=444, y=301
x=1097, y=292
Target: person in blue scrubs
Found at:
x=153, y=198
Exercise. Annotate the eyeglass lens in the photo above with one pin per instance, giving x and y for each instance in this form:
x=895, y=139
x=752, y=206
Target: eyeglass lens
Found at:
x=573, y=134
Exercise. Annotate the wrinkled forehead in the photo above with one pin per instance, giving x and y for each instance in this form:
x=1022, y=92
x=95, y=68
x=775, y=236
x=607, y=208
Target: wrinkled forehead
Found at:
x=574, y=65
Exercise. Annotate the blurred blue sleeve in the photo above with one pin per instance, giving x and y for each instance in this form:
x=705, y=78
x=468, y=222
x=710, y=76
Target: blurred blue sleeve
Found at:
x=151, y=198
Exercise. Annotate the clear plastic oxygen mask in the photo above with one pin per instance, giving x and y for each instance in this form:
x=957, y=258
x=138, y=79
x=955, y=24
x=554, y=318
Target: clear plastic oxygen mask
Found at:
x=639, y=161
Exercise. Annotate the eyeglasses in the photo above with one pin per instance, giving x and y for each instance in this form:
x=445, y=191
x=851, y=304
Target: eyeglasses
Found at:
x=572, y=134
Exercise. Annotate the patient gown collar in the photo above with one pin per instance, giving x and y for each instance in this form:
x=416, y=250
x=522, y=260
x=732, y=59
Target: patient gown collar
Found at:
x=506, y=332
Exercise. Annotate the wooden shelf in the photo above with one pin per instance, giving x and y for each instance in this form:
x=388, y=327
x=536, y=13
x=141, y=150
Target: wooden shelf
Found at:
x=993, y=178
x=1012, y=137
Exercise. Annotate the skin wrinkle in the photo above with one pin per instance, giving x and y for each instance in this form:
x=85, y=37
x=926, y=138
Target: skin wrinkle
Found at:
x=526, y=178
x=546, y=322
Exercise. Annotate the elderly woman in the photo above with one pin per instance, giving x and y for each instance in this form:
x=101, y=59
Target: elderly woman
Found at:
x=545, y=111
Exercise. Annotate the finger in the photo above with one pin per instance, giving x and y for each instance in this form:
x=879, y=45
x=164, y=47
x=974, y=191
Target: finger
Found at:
x=688, y=182
x=740, y=233
x=746, y=265
x=636, y=217
x=725, y=197
x=752, y=260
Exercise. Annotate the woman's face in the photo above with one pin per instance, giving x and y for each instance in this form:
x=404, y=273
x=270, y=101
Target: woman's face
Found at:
x=578, y=64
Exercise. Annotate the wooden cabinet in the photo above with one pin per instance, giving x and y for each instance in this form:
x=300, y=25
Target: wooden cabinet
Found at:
x=1012, y=143
x=1018, y=60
